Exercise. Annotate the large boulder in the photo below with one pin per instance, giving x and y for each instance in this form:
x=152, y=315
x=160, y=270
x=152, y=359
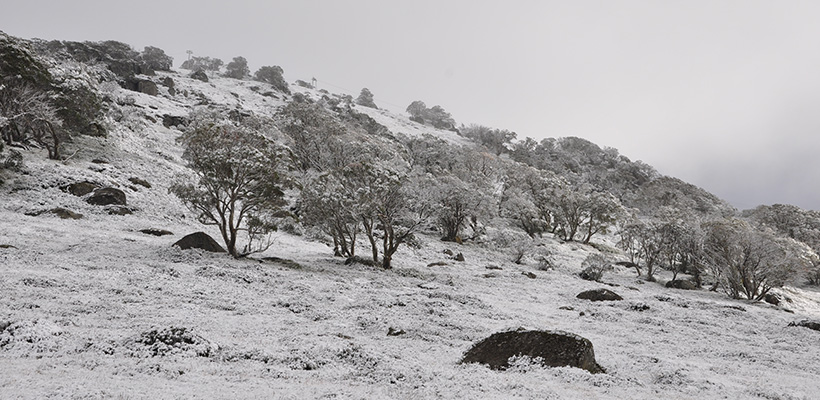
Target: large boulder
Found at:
x=147, y=87
x=550, y=348
x=173, y=120
x=199, y=240
x=682, y=284
x=599, y=295
x=107, y=196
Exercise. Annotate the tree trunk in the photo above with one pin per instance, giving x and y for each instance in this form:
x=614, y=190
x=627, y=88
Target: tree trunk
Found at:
x=368, y=230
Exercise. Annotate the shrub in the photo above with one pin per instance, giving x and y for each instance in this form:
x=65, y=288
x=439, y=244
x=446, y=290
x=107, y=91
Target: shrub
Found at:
x=594, y=266
x=273, y=76
x=238, y=68
x=156, y=59
x=366, y=99
x=203, y=63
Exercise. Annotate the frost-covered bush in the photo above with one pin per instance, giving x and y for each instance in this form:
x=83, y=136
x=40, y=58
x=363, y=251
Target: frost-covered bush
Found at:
x=594, y=267
x=435, y=116
x=273, y=76
x=203, y=63
x=366, y=99
x=237, y=68
x=496, y=140
x=156, y=59
x=515, y=243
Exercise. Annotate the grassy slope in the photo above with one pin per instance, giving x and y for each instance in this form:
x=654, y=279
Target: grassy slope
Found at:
x=79, y=292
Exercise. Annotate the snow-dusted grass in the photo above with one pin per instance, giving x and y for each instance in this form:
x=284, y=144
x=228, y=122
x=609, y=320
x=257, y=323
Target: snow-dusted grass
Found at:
x=78, y=297
x=78, y=292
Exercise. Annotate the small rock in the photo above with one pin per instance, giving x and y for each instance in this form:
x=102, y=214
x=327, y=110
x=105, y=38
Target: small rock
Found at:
x=65, y=214
x=58, y=211
x=491, y=275
x=529, y=275
x=682, y=284
x=428, y=285
x=395, y=332
x=739, y=308
x=806, y=323
x=99, y=161
x=460, y=257
x=141, y=182
x=80, y=188
x=7, y=246
x=493, y=267
x=156, y=232
x=639, y=307
x=599, y=295
x=567, y=308
x=437, y=264
x=107, y=196
x=284, y=262
x=4, y=325
x=119, y=210
x=448, y=252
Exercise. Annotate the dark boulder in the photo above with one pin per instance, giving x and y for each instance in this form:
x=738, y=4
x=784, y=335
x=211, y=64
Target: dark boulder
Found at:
x=173, y=120
x=200, y=75
x=814, y=325
x=460, y=257
x=599, y=295
x=80, y=188
x=107, y=196
x=199, y=240
x=682, y=284
x=168, y=82
x=551, y=348
x=147, y=87
x=772, y=298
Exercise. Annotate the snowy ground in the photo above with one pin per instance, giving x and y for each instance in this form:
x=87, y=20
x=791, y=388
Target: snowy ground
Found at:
x=78, y=297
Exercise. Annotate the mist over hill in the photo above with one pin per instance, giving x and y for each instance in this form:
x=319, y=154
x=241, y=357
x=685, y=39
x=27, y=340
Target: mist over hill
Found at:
x=367, y=250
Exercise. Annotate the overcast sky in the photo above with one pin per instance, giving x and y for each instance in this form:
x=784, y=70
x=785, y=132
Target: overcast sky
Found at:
x=722, y=94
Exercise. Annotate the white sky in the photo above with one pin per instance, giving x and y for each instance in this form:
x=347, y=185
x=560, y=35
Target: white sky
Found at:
x=723, y=94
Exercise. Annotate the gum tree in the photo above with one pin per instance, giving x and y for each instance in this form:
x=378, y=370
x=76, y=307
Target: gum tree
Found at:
x=237, y=180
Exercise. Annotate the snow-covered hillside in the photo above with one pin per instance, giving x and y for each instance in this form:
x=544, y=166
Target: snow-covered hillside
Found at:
x=84, y=302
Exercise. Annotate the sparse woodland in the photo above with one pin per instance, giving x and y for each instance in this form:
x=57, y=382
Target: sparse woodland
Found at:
x=321, y=167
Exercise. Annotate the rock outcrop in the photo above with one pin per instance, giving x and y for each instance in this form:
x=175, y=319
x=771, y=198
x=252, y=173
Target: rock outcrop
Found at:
x=199, y=240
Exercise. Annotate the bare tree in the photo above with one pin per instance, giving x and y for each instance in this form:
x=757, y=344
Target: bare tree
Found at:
x=27, y=113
